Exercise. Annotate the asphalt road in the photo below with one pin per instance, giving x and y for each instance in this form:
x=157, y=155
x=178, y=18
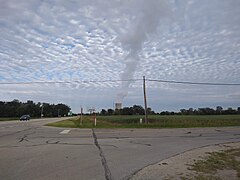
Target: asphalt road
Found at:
x=29, y=150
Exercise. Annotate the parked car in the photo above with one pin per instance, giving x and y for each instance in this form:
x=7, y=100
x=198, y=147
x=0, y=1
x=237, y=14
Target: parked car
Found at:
x=24, y=118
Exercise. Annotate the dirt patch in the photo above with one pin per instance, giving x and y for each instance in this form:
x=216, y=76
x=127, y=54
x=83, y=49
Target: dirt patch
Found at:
x=182, y=165
x=227, y=174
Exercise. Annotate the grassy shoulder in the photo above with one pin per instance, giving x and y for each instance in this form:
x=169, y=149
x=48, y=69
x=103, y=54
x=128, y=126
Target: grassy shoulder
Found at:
x=218, y=165
x=9, y=119
x=154, y=121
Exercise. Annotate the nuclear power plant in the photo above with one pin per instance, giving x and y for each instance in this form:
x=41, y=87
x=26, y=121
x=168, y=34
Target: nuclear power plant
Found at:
x=118, y=106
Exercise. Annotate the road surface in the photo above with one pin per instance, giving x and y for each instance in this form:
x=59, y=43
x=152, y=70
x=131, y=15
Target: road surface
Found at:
x=29, y=150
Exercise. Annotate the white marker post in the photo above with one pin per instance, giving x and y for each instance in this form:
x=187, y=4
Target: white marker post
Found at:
x=92, y=111
x=41, y=105
x=95, y=121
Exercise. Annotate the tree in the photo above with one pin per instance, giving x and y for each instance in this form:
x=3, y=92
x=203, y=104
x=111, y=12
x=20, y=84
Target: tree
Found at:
x=127, y=111
x=138, y=110
x=150, y=111
x=190, y=111
x=230, y=111
x=103, y=112
x=165, y=113
x=183, y=111
x=110, y=112
x=16, y=108
x=219, y=110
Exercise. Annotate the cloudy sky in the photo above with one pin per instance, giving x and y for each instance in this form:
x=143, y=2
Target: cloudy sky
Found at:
x=89, y=42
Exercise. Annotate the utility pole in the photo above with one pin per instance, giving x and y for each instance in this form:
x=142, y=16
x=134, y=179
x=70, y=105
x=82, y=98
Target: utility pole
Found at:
x=81, y=116
x=145, y=98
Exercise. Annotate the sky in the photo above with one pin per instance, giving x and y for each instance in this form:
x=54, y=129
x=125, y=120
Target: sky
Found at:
x=92, y=43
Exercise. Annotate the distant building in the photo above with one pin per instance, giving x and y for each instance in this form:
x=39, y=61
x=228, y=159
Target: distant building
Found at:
x=118, y=106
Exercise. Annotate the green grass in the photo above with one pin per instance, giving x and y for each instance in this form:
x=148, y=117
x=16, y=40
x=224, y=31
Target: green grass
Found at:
x=9, y=119
x=228, y=159
x=155, y=121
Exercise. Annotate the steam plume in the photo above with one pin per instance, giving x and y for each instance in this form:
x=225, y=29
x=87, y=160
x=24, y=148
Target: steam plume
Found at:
x=151, y=11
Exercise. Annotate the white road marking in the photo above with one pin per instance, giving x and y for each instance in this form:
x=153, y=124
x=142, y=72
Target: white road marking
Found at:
x=66, y=131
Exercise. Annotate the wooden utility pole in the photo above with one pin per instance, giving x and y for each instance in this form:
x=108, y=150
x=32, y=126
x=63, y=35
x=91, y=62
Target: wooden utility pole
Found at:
x=145, y=98
x=81, y=117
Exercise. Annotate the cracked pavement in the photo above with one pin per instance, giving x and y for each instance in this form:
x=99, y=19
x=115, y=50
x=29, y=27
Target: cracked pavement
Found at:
x=30, y=150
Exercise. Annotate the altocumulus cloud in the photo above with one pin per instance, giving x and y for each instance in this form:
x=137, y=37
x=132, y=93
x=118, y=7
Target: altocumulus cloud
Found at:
x=83, y=40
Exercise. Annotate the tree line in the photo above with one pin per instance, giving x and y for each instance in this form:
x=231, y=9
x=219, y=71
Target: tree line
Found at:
x=16, y=108
x=139, y=110
x=204, y=111
x=134, y=110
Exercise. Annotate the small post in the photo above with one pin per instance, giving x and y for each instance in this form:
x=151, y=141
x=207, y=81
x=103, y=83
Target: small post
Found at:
x=92, y=112
x=42, y=110
x=145, y=98
x=95, y=121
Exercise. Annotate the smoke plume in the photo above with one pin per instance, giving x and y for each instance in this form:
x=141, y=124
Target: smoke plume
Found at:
x=148, y=16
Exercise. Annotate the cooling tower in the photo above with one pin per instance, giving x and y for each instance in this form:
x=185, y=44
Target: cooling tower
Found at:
x=118, y=106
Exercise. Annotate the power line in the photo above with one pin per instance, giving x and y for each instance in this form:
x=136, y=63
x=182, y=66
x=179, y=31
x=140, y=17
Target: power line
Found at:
x=126, y=80
x=36, y=82
x=68, y=82
x=103, y=81
x=194, y=83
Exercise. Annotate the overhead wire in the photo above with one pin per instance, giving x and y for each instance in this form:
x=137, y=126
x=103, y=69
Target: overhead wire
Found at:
x=126, y=80
x=194, y=83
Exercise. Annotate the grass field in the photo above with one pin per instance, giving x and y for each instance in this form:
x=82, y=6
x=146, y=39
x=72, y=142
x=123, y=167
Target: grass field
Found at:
x=9, y=119
x=154, y=121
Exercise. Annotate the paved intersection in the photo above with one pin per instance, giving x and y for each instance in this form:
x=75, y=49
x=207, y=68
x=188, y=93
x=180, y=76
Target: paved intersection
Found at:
x=30, y=150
